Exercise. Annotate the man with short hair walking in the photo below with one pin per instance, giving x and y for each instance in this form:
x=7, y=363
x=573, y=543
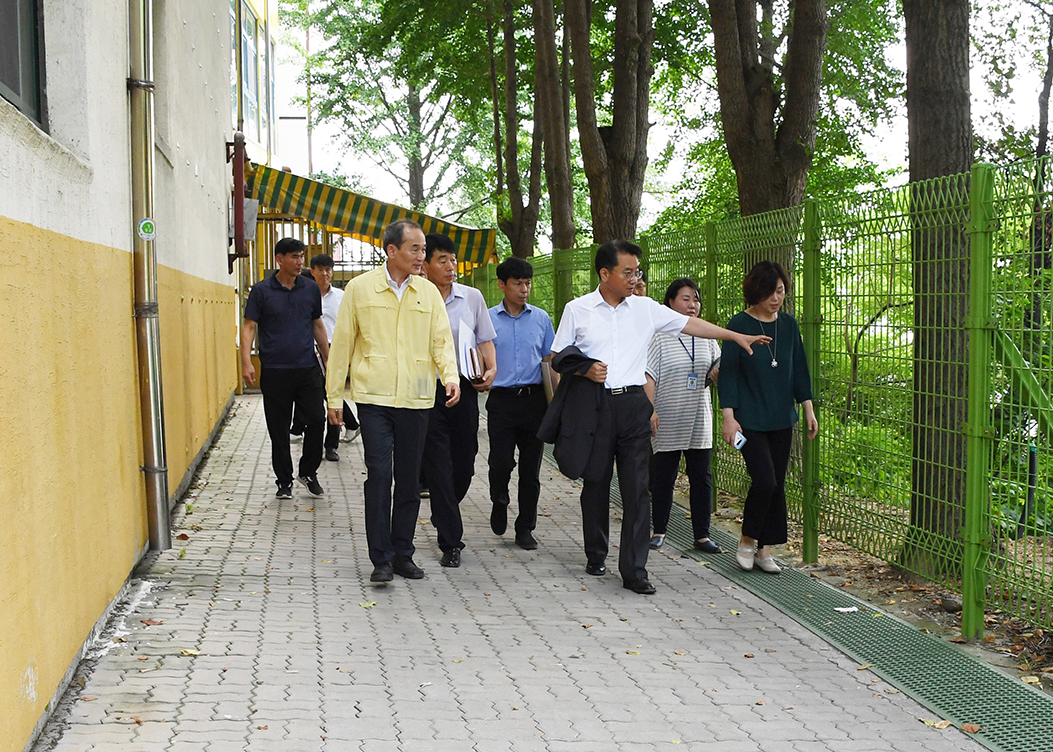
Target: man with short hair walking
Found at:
x=393, y=334
x=453, y=432
x=613, y=328
x=285, y=309
x=322, y=273
x=517, y=399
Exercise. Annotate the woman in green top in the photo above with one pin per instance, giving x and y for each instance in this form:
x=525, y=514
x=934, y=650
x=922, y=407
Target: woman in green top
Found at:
x=758, y=399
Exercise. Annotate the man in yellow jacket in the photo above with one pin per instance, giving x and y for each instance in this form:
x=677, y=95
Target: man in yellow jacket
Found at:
x=393, y=334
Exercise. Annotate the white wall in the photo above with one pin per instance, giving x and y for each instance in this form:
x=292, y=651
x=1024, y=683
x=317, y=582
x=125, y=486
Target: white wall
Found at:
x=75, y=179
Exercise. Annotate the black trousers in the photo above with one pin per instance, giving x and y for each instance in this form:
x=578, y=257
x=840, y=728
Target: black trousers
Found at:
x=392, y=442
x=664, y=470
x=332, y=432
x=512, y=421
x=767, y=455
x=630, y=444
x=449, y=461
x=305, y=388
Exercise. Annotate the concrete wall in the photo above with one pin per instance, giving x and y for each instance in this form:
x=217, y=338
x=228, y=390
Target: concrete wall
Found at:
x=74, y=517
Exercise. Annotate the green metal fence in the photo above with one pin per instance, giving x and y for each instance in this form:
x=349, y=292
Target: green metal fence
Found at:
x=927, y=314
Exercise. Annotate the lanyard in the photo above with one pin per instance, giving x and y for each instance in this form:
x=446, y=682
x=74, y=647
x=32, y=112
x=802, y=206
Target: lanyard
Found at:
x=692, y=354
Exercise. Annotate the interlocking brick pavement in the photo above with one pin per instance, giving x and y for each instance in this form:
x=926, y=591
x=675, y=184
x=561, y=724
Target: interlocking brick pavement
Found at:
x=271, y=638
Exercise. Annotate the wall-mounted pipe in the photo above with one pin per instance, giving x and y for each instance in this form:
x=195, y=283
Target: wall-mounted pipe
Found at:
x=147, y=328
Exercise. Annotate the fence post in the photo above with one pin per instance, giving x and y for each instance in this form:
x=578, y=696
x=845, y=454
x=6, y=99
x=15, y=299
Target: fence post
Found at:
x=979, y=429
x=562, y=282
x=811, y=319
x=712, y=284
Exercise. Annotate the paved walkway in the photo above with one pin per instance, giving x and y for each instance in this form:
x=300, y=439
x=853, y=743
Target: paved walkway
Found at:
x=266, y=635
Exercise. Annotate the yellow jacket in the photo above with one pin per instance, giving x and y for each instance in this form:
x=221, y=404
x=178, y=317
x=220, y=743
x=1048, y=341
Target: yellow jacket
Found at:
x=393, y=349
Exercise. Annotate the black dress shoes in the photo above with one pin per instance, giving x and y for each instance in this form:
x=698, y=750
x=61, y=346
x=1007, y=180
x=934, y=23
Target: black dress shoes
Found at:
x=526, y=541
x=381, y=573
x=404, y=567
x=499, y=519
x=708, y=547
x=451, y=558
x=642, y=586
x=596, y=569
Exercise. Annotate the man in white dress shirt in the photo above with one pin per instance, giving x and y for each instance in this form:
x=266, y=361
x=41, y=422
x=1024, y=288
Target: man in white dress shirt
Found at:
x=615, y=328
x=322, y=272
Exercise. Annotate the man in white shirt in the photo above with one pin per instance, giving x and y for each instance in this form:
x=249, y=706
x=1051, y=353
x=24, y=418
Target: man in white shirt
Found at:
x=322, y=272
x=615, y=328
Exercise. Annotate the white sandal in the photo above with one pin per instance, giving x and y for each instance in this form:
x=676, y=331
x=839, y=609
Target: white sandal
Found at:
x=744, y=556
x=767, y=564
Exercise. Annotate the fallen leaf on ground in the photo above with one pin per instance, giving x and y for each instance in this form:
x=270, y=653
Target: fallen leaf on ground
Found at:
x=633, y=652
x=891, y=691
x=736, y=613
x=935, y=723
x=190, y=652
x=88, y=698
x=262, y=728
x=1031, y=679
x=959, y=640
x=680, y=652
x=182, y=536
x=458, y=660
x=151, y=622
x=761, y=702
x=864, y=667
x=586, y=626
x=970, y=728
x=367, y=604
x=748, y=655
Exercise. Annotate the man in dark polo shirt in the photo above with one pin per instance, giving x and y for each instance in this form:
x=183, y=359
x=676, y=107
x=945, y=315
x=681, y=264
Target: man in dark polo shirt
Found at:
x=286, y=310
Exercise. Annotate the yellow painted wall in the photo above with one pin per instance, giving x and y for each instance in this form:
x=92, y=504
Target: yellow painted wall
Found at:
x=73, y=514
x=198, y=320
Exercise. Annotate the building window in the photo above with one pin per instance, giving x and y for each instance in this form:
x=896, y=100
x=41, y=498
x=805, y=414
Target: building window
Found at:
x=234, y=40
x=250, y=74
x=21, y=73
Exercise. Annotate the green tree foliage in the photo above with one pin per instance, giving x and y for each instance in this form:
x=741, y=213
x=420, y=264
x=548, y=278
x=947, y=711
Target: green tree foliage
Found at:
x=860, y=90
x=1013, y=41
x=408, y=98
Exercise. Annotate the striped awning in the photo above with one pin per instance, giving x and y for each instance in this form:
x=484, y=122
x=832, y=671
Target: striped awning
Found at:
x=350, y=213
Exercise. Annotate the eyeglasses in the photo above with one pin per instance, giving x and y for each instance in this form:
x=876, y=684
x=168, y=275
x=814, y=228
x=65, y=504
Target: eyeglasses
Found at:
x=633, y=275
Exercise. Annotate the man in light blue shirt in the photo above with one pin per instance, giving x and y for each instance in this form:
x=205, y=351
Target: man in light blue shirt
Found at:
x=517, y=401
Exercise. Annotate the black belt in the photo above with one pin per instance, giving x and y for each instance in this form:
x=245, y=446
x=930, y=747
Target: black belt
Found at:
x=625, y=390
x=518, y=391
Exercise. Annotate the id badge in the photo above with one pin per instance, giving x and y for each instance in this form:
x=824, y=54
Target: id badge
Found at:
x=692, y=381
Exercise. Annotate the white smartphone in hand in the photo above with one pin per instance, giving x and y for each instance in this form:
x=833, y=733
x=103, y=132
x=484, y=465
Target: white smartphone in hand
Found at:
x=740, y=440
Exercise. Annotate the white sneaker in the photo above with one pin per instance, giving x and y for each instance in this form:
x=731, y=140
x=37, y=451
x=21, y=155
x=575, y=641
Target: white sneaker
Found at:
x=744, y=556
x=767, y=564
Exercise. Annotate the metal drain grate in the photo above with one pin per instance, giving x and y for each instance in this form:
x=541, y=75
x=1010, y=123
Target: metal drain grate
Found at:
x=1012, y=716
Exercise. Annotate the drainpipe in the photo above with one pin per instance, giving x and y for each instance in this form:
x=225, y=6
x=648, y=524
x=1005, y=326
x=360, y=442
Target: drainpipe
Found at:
x=147, y=328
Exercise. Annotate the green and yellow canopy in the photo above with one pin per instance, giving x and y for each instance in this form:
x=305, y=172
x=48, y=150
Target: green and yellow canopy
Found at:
x=352, y=214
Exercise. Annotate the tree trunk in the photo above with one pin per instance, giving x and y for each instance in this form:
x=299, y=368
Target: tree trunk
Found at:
x=615, y=156
x=940, y=144
x=413, y=151
x=549, y=111
x=519, y=224
x=771, y=159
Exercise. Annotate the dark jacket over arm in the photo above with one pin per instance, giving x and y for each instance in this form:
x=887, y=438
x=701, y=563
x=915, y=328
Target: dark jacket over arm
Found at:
x=574, y=417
